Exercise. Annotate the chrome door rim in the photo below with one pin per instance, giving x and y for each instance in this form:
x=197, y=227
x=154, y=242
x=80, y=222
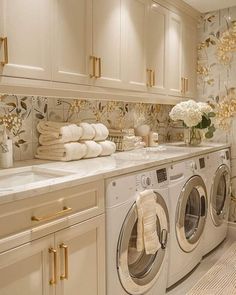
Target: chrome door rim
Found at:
x=188, y=245
x=218, y=219
x=131, y=284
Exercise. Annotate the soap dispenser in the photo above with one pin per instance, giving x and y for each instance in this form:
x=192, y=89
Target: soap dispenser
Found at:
x=6, y=153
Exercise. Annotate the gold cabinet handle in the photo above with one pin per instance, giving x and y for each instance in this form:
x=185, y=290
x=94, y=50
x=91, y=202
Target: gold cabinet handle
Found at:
x=186, y=85
x=99, y=61
x=153, y=78
x=183, y=85
x=66, y=273
x=149, y=78
x=49, y=217
x=5, y=46
x=93, y=61
x=53, y=280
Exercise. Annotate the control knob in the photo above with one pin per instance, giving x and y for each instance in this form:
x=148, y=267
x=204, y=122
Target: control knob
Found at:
x=146, y=181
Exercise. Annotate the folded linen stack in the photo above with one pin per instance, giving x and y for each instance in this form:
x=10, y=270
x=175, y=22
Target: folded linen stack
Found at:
x=67, y=142
x=147, y=238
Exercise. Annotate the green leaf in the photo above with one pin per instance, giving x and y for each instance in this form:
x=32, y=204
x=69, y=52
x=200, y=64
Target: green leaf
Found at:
x=209, y=134
x=211, y=114
x=206, y=122
x=212, y=129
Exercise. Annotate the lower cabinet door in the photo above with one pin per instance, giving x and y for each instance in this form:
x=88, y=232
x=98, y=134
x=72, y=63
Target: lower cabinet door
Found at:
x=26, y=270
x=81, y=256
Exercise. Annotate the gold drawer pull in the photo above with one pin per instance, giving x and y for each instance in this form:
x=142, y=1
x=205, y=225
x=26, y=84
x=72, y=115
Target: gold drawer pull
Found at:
x=99, y=61
x=53, y=281
x=65, y=275
x=149, y=78
x=49, y=217
x=153, y=78
x=5, y=46
x=93, y=60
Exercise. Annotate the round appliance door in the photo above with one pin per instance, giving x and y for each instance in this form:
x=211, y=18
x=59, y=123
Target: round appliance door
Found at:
x=220, y=195
x=138, y=271
x=191, y=213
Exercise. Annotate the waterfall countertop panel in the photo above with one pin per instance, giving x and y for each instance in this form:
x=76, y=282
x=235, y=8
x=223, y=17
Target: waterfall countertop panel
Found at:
x=85, y=171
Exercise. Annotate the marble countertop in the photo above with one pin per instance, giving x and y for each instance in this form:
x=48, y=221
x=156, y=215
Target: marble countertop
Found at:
x=84, y=171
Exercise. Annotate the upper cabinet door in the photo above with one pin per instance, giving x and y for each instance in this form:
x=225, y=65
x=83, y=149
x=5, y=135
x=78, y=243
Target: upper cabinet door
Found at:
x=26, y=31
x=157, y=47
x=108, y=44
x=175, y=55
x=135, y=12
x=82, y=258
x=72, y=40
x=190, y=58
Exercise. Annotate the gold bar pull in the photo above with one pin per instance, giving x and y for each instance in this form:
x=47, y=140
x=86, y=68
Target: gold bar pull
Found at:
x=182, y=85
x=153, y=78
x=99, y=61
x=53, y=281
x=93, y=63
x=49, y=217
x=5, y=46
x=149, y=78
x=186, y=85
x=66, y=272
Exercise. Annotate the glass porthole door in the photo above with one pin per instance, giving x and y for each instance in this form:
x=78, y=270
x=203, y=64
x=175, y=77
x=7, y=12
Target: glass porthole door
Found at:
x=220, y=195
x=139, y=271
x=191, y=213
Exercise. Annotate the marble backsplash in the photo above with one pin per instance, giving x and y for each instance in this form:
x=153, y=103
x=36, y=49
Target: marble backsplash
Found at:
x=21, y=114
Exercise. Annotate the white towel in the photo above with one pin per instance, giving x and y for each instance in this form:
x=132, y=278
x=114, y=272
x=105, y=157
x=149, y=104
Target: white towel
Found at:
x=147, y=237
x=62, y=152
x=57, y=132
x=101, y=131
x=108, y=147
x=88, y=132
x=93, y=149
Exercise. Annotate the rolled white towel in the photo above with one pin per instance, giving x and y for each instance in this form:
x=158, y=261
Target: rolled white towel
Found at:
x=88, y=131
x=101, y=131
x=93, y=149
x=147, y=237
x=57, y=132
x=108, y=147
x=62, y=152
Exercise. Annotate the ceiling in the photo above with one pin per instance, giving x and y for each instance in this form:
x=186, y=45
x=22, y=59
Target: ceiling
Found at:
x=210, y=5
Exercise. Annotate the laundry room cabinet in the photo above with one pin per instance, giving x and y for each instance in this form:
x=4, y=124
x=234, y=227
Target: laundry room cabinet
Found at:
x=25, y=39
x=67, y=262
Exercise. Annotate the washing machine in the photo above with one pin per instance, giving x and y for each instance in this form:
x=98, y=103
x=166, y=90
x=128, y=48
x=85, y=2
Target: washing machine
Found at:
x=129, y=271
x=187, y=211
x=218, y=184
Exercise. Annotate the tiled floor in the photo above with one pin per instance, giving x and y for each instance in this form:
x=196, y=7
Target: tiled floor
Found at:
x=207, y=262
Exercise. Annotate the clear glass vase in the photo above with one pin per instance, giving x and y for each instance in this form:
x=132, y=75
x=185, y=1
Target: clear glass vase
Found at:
x=194, y=136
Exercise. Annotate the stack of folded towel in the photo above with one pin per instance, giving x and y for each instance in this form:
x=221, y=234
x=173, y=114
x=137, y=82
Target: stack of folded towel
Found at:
x=67, y=142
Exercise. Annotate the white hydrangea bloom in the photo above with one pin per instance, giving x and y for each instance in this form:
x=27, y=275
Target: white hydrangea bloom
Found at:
x=205, y=107
x=187, y=111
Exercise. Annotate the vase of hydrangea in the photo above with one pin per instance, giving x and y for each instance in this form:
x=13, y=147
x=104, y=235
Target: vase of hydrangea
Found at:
x=196, y=117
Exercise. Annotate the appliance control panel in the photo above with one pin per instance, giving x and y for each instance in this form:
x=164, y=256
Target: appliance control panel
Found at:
x=161, y=175
x=202, y=163
x=150, y=179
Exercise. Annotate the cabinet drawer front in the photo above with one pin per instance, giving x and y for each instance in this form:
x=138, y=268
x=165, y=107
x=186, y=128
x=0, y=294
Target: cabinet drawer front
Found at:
x=71, y=205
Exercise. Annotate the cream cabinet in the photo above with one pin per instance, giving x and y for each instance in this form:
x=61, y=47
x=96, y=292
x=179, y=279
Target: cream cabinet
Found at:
x=25, y=39
x=71, y=261
x=189, y=57
x=26, y=269
x=72, y=41
x=157, y=48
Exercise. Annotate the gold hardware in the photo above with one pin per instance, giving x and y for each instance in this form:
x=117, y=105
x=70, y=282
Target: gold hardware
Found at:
x=153, y=78
x=149, y=78
x=49, y=217
x=53, y=281
x=65, y=275
x=93, y=59
x=5, y=46
x=186, y=84
x=99, y=61
x=183, y=85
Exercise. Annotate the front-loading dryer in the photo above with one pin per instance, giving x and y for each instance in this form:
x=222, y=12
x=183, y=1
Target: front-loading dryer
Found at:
x=188, y=210
x=129, y=271
x=218, y=180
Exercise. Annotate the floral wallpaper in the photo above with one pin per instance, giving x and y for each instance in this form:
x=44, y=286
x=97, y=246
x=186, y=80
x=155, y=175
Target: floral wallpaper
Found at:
x=217, y=78
x=20, y=115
